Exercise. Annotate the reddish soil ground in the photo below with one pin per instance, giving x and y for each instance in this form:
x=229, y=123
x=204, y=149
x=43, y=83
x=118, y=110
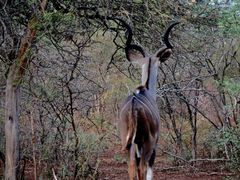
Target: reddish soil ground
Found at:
x=113, y=166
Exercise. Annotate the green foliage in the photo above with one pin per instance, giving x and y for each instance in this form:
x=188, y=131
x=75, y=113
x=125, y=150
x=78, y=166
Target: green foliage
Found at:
x=48, y=91
x=226, y=141
x=117, y=158
x=84, y=160
x=202, y=18
x=229, y=22
x=229, y=139
x=87, y=161
x=32, y=2
x=58, y=17
x=56, y=24
x=232, y=87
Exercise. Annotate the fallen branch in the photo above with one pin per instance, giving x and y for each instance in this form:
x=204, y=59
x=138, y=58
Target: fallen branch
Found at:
x=194, y=160
x=174, y=168
x=211, y=160
x=174, y=155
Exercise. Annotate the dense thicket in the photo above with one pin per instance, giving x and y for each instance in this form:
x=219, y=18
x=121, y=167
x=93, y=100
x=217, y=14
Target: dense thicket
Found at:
x=67, y=67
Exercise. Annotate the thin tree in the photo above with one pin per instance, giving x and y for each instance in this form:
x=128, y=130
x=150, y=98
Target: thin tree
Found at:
x=14, y=78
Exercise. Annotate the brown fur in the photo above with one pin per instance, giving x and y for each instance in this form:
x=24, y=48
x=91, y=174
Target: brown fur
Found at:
x=139, y=130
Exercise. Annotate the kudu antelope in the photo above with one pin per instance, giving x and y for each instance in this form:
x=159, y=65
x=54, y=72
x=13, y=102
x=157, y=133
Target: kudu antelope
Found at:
x=139, y=115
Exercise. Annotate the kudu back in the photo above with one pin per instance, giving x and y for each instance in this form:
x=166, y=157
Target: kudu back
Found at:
x=139, y=115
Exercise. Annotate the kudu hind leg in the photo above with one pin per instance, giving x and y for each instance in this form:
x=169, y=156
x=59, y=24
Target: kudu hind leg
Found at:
x=150, y=165
x=141, y=169
x=132, y=166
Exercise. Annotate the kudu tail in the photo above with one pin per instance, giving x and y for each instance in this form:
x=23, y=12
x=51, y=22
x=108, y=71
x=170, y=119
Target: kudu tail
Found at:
x=135, y=124
x=132, y=125
x=133, y=149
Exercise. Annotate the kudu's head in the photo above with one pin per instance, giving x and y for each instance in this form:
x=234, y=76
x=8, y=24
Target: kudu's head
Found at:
x=136, y=53
x=149, y=63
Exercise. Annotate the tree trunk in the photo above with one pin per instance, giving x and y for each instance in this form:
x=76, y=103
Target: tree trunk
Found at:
x=11, y=127
x=14, y=78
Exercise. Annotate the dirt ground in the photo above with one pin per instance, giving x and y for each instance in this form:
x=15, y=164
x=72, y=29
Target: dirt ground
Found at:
x=113, y=166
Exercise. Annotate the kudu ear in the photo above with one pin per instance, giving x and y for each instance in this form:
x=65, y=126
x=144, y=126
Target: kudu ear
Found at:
x=135, y=54
x=163, y=54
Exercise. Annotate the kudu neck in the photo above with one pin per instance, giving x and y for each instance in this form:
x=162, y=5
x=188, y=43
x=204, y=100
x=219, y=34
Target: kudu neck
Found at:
x=149, y=77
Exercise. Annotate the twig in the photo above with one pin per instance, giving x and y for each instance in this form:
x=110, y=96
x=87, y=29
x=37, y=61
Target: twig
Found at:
x=33, y=145
x=54, y=175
